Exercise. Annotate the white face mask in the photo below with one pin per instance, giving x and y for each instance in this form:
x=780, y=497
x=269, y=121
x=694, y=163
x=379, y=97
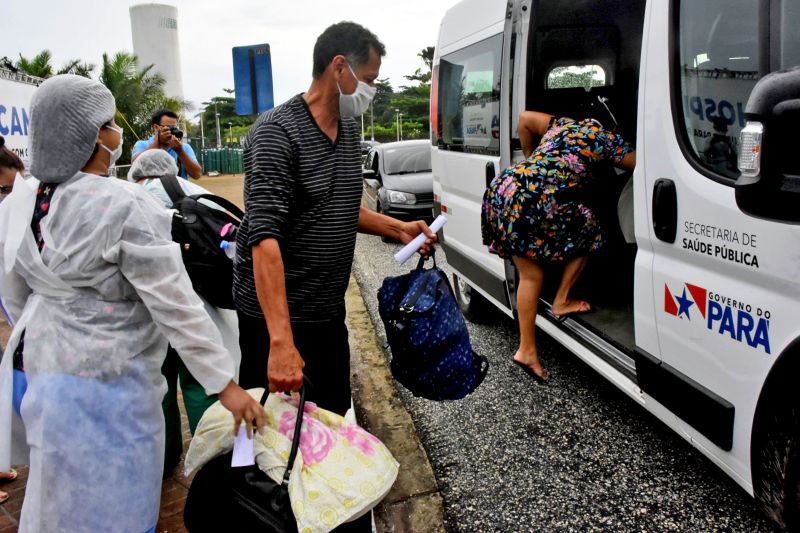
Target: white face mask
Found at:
x=354, y=105
x=116, y=152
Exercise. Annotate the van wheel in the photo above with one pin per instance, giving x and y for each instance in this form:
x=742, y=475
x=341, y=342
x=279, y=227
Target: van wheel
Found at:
x=473, y=305
x=776, y=460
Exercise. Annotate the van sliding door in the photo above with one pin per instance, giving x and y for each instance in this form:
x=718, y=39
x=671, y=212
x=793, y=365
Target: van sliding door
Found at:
x=468, y=141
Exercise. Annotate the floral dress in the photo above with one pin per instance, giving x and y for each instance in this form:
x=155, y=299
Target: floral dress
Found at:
x=532, y=210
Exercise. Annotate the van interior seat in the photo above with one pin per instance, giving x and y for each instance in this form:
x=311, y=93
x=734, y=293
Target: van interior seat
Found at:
x=565, y=102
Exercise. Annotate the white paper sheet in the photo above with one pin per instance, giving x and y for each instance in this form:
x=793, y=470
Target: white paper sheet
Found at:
x=411, y=248
x=243, y=454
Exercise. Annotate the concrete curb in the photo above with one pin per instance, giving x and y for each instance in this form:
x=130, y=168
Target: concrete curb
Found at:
x=414, y=504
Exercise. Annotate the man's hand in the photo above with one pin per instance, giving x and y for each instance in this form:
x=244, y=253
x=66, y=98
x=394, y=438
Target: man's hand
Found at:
x=244, y=408
x=164, y=137
x=409, y=230
x=175, y=143
x=284, y=367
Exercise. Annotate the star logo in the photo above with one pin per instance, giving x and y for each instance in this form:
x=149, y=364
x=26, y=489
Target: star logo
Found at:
x=678, y=305
x=684, y=304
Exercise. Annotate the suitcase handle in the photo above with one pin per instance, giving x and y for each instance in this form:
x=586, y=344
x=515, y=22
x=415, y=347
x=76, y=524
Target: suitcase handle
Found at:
x=298, y=426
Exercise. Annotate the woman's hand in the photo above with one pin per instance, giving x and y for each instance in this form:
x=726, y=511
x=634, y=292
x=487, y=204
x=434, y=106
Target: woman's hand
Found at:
x=244, y=408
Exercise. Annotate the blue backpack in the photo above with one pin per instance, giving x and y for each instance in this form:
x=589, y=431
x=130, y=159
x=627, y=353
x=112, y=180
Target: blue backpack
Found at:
x=431, y=352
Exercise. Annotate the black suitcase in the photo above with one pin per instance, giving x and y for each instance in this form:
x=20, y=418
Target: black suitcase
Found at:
x=224, y=498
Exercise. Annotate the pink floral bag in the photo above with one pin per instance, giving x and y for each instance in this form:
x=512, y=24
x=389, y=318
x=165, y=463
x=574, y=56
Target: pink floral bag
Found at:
x=341, y=471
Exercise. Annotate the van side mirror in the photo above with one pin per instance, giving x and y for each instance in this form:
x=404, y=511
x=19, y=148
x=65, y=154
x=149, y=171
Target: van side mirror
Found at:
x=769, y=185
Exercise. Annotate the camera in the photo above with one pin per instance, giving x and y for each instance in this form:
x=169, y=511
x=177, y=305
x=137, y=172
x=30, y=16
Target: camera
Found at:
x=176, y=132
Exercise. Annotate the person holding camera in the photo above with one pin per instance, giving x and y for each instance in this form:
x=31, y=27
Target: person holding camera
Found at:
x=167, y=136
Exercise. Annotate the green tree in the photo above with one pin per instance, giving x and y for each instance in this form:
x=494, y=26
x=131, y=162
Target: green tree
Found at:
x=427, y=56
x=138, y=93
x=380, y=111
x=414, y=101
x=565, y=77
x=40, y=65
x=226, y=107
x=424, y=76
x=74, y=66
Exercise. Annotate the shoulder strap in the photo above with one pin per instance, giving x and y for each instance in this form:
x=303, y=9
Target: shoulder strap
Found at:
x=173, y=188
x=222, y=202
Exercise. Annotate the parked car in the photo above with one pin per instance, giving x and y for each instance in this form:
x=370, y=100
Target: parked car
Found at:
x=366, y=146
x=398, y=181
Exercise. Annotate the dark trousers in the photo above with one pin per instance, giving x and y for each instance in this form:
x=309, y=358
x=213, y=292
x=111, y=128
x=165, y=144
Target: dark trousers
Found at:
x=323, y=347
x=326, y=353
x=195, y=400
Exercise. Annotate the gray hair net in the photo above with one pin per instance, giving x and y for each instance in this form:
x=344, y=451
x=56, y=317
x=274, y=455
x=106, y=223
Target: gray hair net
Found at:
x=153, y=163
x=67, y=112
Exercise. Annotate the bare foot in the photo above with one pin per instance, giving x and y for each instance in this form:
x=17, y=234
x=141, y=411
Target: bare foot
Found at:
x=3, y=496
x=570, y=307
x=531, y=361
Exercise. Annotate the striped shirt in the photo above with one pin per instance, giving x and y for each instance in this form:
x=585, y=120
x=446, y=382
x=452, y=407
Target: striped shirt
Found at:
x=303, y=190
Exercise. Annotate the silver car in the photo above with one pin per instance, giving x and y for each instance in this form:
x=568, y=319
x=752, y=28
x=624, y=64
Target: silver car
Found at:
x=398, y=180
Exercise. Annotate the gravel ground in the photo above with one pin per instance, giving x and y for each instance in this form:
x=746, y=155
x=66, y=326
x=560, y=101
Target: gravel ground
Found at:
x=577, y=455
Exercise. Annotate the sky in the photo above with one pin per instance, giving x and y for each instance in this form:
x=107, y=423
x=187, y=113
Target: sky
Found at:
x=208, y=29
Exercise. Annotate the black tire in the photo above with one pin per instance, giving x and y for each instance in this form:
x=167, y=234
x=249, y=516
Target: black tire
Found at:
x=776, y=458
x=473, y=305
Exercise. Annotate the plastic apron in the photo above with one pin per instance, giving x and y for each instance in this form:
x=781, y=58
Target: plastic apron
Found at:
x=92, y=411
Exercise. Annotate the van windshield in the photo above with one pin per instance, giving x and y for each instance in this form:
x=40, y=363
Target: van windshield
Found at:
x=407, y=159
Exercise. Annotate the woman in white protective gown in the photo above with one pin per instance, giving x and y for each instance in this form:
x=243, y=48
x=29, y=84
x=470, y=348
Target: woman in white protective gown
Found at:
x=96, y=288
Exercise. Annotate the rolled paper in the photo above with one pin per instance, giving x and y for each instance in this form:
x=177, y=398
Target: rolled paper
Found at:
x=413, y=247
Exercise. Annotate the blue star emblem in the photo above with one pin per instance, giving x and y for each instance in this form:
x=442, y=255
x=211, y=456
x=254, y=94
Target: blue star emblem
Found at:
x=684, y=304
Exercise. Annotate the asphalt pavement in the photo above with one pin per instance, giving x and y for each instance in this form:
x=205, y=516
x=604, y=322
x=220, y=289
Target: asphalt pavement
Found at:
x=574, y=455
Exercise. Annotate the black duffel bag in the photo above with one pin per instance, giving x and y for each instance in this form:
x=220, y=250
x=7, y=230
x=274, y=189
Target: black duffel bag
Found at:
x=233, y=499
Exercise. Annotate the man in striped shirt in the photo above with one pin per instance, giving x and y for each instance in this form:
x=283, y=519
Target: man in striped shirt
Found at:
x=302, y=194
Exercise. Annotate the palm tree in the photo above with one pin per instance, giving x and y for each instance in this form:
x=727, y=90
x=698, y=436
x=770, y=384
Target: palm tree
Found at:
x=75, y=66
x=138, y=93
x=426, y=54
x=39, y=66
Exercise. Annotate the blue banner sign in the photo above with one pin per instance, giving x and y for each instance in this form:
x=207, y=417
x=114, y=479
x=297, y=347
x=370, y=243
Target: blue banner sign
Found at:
x=252, y=78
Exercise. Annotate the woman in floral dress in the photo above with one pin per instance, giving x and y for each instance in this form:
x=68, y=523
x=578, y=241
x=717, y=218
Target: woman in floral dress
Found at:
x=532, y=213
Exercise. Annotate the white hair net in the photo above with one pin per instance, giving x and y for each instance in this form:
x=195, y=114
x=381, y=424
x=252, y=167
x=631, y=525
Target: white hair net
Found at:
x=153, y=163
x=67, y=112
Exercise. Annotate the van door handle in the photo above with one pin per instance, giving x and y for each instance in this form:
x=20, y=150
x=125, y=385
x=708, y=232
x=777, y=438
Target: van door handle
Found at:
x=490, y=173
x=665, y=210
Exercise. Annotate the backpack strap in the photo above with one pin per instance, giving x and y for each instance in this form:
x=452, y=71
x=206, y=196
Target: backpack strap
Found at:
x=222, y=202
x=173, y=188
x=421, y=262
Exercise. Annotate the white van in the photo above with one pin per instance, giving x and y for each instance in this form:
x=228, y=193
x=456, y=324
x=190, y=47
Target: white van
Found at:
x=698, y=311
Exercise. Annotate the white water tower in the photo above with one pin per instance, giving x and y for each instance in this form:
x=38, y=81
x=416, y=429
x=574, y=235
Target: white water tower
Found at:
x=155, y=42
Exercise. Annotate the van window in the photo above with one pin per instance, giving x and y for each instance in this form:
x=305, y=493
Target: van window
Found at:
x=469, y=98
x=585, y=76
x=718, y=67
x=790, y=34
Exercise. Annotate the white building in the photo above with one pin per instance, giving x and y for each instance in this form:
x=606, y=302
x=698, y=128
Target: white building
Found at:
x=155, y=42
